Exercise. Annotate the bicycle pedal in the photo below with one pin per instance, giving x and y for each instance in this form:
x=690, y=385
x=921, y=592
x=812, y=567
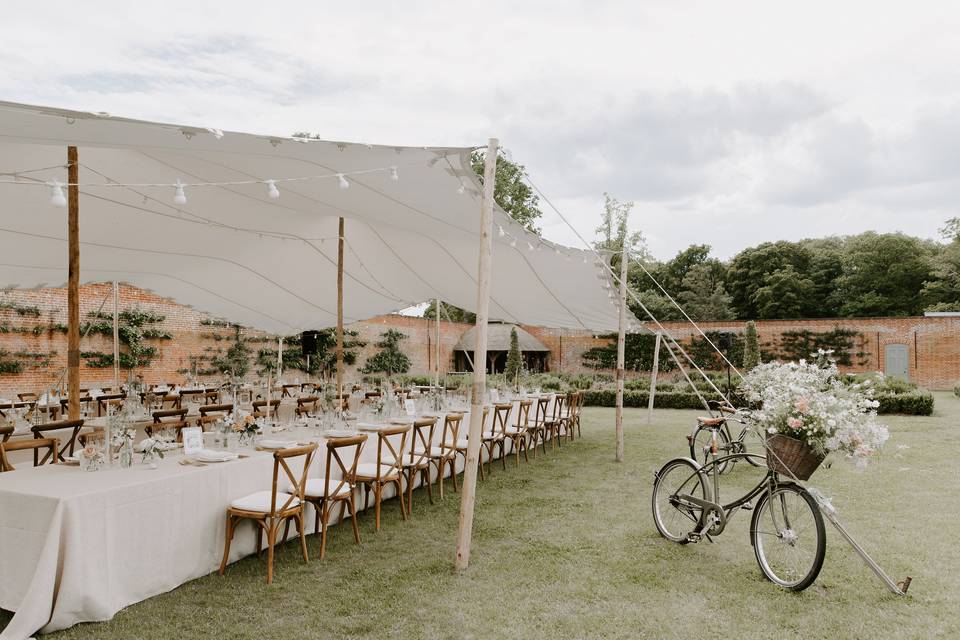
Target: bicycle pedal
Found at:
x=693, y=536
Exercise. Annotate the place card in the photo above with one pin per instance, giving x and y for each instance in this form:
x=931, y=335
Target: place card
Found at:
x=192, y=440
x=410, y=408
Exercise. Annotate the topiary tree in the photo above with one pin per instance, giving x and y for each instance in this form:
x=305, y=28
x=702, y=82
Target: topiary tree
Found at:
x=751, y=346
x=514, y=359
x=390, y=359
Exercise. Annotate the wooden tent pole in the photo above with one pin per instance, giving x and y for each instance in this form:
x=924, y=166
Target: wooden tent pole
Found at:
x=73, y=285
x=340, y=315
x=436, y=378
x=621, y=348
x=116, y=337
x=479, y=393
x=653, y=378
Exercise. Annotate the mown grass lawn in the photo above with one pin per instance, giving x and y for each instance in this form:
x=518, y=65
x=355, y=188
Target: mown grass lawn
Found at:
x=565, y=548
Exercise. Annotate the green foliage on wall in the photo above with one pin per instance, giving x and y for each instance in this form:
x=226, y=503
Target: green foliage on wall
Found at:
x=389, y=359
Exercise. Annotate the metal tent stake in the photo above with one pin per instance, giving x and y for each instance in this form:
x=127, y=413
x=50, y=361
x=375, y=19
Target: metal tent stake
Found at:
x=899, y=588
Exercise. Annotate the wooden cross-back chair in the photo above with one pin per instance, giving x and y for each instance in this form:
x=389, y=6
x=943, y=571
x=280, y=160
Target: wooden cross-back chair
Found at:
x=97, y=433
x=36, y=445
x=336, y=486
x=495, y=437
x=211, y=396
x=270, y=509
x=40, y=430
x=285, y=390
x=307, y=406
x=369, y=396
x=554, y=423
x=108, y=399
x=571, y=425
x=388, y=469
x=259, y=408
x=6, y=431
x=445, y=453
x=168, y=419
x=519, y=432
x=417, y=461
x=210, y=413
x=191, y=395
x=8, y=406
x=538, y=428
x=28, y=396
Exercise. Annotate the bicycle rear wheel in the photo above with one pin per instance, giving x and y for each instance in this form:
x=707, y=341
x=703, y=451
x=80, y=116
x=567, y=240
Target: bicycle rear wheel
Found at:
x=788, y=536
x=701, y=442
x=674, y=518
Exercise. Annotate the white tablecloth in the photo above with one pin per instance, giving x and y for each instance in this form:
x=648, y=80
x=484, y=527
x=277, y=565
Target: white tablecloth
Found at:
x=80, y=546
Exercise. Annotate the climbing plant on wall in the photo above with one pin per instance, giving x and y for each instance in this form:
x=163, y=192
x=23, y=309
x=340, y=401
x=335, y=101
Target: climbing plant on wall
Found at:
x=133, y=328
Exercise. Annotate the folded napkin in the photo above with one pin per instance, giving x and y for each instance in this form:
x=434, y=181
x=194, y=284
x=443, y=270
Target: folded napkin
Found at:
x=275, y=444
x=210, y=455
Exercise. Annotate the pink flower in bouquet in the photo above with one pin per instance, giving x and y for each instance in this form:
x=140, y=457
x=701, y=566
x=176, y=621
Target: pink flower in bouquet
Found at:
x=794, y=423
x=89, y=451
x=802, y=405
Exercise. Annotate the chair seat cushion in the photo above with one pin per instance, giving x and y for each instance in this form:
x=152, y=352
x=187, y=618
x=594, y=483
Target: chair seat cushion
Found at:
x=369, y=470
x=260, y=501
x=491, y=435
x=515, y=430
x=460, y=444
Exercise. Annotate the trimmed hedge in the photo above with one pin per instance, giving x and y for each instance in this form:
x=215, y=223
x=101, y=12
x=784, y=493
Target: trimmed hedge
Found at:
x=666, y=400
x=918, y=403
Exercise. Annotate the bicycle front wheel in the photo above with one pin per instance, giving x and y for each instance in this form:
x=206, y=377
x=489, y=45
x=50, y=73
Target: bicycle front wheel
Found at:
x=674, y=517
x=788, y=536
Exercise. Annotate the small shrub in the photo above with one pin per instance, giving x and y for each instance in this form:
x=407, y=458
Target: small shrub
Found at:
x=918, y=403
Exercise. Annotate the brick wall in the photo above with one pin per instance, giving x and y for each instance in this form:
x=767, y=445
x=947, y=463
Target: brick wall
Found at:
x=933, y=344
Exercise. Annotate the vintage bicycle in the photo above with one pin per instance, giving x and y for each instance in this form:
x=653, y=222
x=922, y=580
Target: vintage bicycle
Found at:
x=747, y=441
x=786, y=528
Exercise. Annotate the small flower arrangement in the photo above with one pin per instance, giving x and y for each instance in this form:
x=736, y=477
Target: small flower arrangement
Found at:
x=151, y=450
x=810, y=402
x=123, y=437
x=92, y=456
x=246, y=426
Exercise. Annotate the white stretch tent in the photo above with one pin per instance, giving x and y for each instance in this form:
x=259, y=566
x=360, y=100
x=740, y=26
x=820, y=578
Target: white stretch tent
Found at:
x=412, y=234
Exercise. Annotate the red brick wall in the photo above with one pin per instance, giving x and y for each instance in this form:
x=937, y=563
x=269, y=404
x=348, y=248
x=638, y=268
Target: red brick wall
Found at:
x=933, y=343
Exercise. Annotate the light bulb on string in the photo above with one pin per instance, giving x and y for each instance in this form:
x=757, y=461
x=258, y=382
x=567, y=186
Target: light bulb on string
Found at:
x=57, y=198
x=179, y=196
x=460, y=189
x=513, y=242
x=272, y=190
x=501, y=232
x=393, y=174
x=529, y=247
x=343, y=181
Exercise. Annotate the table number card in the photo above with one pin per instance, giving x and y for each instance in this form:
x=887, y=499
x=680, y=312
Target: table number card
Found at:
x=410, y=408
x=192, y=440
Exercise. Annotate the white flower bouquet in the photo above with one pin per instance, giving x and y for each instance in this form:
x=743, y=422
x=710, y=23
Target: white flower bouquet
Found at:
x=809, y=401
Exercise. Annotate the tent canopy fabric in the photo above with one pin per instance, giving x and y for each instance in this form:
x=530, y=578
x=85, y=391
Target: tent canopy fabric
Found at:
x=498, y=339
x=411, y=233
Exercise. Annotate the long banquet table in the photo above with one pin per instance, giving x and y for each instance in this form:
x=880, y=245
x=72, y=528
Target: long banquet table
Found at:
x=81, y=546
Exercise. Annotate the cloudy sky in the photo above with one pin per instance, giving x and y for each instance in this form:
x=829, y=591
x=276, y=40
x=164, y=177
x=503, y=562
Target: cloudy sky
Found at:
x=727, y=123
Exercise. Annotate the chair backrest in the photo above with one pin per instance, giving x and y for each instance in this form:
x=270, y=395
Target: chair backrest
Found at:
x=40, y=429
x=541, y=412
x=98, y=433
x=501, y=414
x=422, y=435
x=451, y=430
x=337, y=454
x=391, y=444
x=28, y=397
x=282, y=460
x=50, y=444
x=215, y=408
x=523, y=413
x=7, y=406
x=211, y=397
x=558, y=400
x=174, y=415
x=260, y=404
x=5, y=432
x=307, y=404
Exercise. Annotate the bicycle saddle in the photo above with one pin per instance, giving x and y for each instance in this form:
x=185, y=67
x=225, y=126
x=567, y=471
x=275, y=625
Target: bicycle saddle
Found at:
x=709, y=422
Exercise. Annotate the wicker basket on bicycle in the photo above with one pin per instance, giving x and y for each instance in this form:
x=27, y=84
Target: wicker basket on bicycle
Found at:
x=791, y=457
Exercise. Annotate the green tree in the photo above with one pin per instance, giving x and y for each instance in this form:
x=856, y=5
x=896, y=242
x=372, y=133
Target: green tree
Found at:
x=750, y=268
x=514, y=359
x=751, y=346
x=613, y=230
x=449, y=312
x=703, y=295
x=784, y=294
x=510, y=191
x=389, y=359
x=883, y=274
x=942, y=291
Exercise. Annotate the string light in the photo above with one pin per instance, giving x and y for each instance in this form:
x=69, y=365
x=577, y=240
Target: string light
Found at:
x=57, y=198
x=179, y=196
x=513, y=242
x=272, y=190
x=393, y=174
x=461, y=189
x=343, y=181
x=529, y=247
x=501, y=232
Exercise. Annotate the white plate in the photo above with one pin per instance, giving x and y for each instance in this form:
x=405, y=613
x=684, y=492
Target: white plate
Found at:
x=339, y=433
x=275, y=444
x=206, y=455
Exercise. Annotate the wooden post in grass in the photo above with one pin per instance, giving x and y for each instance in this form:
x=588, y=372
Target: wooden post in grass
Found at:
x=340, y=315
x=621, y=345
x=479, y=392
x=436, y=377
x=653, y=378
x=73, y=285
